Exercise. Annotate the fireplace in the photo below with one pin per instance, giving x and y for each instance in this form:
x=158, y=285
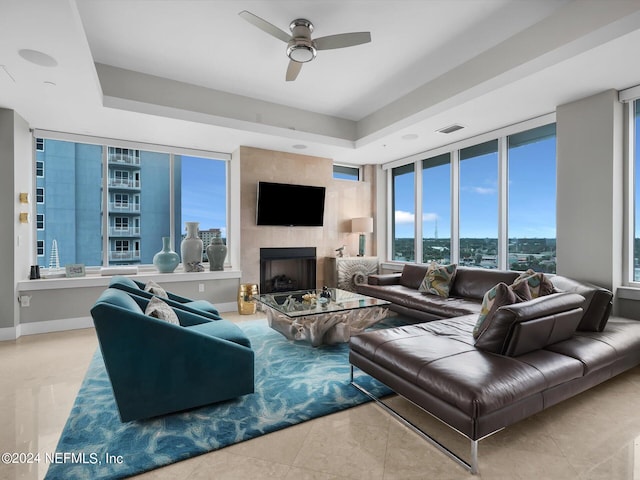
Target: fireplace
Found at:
x=288, y=268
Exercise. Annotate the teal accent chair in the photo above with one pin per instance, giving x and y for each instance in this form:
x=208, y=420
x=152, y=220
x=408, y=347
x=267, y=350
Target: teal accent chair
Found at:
x=156, y=367
x=200, y=307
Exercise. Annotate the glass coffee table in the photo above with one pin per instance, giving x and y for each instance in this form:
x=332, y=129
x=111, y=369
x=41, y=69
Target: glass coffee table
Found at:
x=305, y=315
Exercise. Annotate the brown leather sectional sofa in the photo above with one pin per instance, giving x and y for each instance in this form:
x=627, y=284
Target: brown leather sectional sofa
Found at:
x=556, y=346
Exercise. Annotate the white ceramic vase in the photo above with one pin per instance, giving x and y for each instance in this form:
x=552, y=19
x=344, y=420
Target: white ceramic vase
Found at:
x=191, y=249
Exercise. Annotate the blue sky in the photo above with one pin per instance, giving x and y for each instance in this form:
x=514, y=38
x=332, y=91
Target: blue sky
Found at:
x=204, y=196
x=531, y=210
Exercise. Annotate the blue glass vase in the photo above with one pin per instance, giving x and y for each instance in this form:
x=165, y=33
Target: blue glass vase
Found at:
x=166, y=260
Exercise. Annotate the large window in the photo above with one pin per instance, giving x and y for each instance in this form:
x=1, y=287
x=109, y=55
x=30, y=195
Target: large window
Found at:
x=636, y=216
x=532, y=208
x=404, y=214
x=491, y=204
x=479, y=205
x=108, y=205
x=436, y=209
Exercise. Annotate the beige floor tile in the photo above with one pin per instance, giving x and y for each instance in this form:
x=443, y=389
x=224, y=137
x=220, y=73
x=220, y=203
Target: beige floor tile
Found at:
x=593, y=436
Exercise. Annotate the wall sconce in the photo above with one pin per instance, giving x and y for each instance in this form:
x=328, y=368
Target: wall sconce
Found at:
x=24, y=197
x=361, y=225
x=24, y=217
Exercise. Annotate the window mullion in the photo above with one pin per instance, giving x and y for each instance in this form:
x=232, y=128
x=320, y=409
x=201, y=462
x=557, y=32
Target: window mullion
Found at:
x=105, y=207
x=455, y=206
x=418, y=234
x=503, y=195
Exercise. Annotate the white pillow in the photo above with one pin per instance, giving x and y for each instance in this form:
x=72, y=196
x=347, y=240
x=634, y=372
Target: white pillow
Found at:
x=153, y=287
x=159, y=309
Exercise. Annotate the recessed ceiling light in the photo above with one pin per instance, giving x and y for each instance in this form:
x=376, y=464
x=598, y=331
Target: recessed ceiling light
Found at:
x=299, y=146
x=450, y=129
x=410, y=136
x=39, y=58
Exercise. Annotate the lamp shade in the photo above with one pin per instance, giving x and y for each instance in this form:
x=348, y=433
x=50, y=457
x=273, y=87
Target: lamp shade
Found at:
x=362, y=225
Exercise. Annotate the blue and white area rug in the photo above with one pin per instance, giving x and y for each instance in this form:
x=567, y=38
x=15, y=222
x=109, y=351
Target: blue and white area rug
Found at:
x=294, y=382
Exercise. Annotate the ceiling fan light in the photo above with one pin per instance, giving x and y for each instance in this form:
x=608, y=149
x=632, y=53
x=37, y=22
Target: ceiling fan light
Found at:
x=301, y=53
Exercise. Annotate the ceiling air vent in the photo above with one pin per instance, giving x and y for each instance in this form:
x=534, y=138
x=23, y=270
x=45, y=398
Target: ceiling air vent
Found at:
x=450, y=128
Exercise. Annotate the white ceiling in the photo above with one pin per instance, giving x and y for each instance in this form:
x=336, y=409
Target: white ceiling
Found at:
x=194, y=74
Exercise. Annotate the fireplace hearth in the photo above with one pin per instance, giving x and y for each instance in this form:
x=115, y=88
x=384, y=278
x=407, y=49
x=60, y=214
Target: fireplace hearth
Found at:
x=287, y=268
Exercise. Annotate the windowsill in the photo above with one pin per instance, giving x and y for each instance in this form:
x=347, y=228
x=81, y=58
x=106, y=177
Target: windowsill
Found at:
x=628, y=292
x=97, y=280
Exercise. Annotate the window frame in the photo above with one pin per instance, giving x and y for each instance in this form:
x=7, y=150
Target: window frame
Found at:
x=232, y=184
x=454, y=149
x=629, y=98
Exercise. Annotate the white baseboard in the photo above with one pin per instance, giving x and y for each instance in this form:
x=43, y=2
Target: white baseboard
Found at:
x=226, y=307
x=35, y=328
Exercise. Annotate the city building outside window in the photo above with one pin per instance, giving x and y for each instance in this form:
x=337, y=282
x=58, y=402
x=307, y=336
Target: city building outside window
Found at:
x=40, y=248
x=40, y=221
x=145, y=195
x=39, y=169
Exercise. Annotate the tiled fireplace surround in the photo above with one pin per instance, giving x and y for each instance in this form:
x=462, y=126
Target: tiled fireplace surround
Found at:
x=344, y=200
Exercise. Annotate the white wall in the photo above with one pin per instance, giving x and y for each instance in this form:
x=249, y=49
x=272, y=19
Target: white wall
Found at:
x=15, y=238
x=590, y=193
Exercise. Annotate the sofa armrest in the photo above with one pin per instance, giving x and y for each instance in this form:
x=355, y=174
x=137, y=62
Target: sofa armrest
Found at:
x=385, y=279
x=523, y=327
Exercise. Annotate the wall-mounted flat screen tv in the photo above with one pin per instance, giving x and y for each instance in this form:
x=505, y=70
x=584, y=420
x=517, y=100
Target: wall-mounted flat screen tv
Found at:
x=290, y=205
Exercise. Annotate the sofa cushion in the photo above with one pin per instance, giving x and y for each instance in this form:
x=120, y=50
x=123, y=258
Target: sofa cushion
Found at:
x=160, y=310
x=497, y=334
x=472, y=282
x=414, y=300
x=153, y=287
x=496, y=297
x=412, y=275
x=438, y=279
x=539, y=284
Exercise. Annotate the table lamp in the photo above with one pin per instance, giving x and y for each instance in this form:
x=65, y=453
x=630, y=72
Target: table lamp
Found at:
x=362, y=225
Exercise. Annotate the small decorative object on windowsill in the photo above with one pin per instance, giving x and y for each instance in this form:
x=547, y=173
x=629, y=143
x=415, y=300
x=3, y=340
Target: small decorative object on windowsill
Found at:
x=166, y=260
x=340, y=251
x=191, y=249
x=216, y=252
x=34, y=272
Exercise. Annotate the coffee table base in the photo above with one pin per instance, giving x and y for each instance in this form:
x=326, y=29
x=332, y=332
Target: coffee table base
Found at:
x=325, y=329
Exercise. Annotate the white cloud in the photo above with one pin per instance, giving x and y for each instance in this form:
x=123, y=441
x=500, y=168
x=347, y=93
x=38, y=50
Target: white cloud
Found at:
x=483, y=190
x=408, y=217
x=404, y=217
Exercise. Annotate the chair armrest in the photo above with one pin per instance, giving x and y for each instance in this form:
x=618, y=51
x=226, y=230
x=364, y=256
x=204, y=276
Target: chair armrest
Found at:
x=189, y=318
x=385, y=279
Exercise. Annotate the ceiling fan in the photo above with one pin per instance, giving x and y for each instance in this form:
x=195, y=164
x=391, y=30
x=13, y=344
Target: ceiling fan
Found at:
x=301, y=48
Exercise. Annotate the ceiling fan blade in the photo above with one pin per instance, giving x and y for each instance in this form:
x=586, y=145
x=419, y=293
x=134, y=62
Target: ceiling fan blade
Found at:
x=265, y=26
x=342, y=40
x=293, y=70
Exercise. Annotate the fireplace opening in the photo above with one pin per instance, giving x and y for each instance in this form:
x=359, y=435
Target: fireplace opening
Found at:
x=286, y=269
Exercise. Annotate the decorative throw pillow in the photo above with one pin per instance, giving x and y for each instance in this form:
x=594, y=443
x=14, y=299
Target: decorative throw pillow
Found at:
x=496, y=297
x=438, y=279
x=159, y=309
x=153, y=287
x=539, y=284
